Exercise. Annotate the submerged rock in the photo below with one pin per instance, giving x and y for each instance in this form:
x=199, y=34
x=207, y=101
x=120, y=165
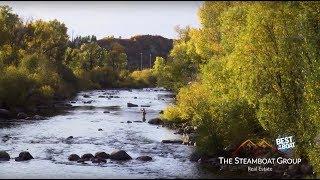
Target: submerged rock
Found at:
x=73, y=157
x=144, y=158
x=88, y=102
x=155, y=121
x=87, y=157
x=174, y=141
x=120, y=155
x=38, y=117
x=22, y=115
x=24, y=156
x=69, y=138
x=4, y=156
x=132, y=105
x=106, y=111
x=86, y=96
x=5, y=138
x=102, y=155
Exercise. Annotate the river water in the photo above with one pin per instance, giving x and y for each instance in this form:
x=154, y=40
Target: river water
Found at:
x=46, y=140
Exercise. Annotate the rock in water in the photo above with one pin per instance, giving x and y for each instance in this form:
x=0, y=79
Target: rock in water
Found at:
x=22, y=115
x=100, y=129
x=5, y=138
x=174, y=141
x=37, y=117
x=81, y=161
x=73, y=157
x=24, y=156
x=102, y=155
x=4, y=156
x=4, y=113
x=120, y=155
x=155, y=121
x=129, y=121
x=86, y=96
x=98, y=160
x=138, y=121
x=144, y=158
x=131, y=105
x=87, y=157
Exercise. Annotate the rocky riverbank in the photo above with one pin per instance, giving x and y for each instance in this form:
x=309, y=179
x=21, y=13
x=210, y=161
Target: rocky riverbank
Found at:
x=261, y=149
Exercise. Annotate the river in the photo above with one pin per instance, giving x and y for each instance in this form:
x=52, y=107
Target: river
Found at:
x=46, y=140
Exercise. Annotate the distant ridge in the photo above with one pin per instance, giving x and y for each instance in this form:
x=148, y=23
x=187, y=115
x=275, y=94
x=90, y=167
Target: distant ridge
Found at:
x=145, y=44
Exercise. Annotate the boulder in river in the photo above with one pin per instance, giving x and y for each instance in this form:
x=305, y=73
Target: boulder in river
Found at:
x=86, y=96
x=102, y=155
x=138, y=121
x=4, y=113
x=144, y=158
x=98, y=160
x=24, y=156
x=73, y=157
x=106, y=112
x=100, y=129
x=120, y=155
x=5, y=138
x=173, y=141
x=132, y=105
x=88, y=102
x=22, y=115
x=87, y=157
x=81, y=161
x=38, y=117
x=129, y=121
x=145, y=105
x=4, y=156
x=155, y=121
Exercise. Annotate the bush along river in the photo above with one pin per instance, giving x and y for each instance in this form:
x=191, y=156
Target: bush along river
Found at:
x=101, y=135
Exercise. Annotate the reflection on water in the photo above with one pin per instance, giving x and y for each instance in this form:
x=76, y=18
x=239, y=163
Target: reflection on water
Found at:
x=47, y=140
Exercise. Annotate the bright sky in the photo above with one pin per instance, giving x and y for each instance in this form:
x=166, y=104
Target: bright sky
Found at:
x=105, y=18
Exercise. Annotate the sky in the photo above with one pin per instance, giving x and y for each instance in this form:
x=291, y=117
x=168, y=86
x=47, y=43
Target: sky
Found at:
x=117, y=18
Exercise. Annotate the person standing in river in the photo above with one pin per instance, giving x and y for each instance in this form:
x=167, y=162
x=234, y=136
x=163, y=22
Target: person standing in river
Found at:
x=143, y=115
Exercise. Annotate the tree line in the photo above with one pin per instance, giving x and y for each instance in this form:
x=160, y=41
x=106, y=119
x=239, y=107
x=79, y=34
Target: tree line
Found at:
x=39, y=63
x=250, y=71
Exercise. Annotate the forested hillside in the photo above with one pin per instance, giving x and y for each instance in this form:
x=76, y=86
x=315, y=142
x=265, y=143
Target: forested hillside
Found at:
x=150, y=47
